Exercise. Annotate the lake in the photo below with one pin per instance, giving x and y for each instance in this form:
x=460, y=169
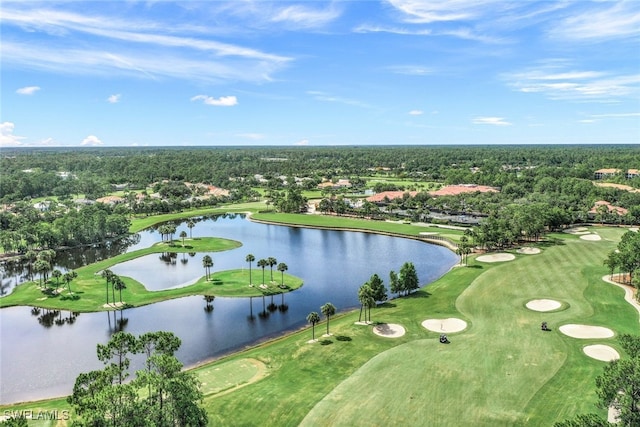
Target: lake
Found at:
x=43, y=352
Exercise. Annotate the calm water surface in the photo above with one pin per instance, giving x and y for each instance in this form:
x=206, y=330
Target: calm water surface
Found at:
x=42, y=353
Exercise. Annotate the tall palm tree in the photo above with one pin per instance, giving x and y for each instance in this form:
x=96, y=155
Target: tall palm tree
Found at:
x=56, y=274
x=183, y=234
x=250, y=258
x=282, y=267
x=190, y=224
x=108, y=276
x=41, y=266
x=119, y=285
x=272, y=262
x=207, y=263
x=365, y=296
x=328, y=310
x=262, y=263
x=313, y=318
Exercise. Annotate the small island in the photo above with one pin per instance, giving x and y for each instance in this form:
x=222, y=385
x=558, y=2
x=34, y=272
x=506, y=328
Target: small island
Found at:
x=93, y=287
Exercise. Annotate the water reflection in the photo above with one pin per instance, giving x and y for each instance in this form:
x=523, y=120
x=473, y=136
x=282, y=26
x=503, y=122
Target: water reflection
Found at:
x=332, y=264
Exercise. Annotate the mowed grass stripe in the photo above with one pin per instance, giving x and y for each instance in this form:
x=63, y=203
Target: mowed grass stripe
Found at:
x=502, y=370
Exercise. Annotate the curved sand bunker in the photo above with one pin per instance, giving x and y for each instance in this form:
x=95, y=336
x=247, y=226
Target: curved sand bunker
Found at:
x=543, y=305
x=389, y=330
x=445, y=325
x=592, y=237
x=496, y=257
x=601, y=352
x=529, y=251
x=577, y=230
x=586, y=331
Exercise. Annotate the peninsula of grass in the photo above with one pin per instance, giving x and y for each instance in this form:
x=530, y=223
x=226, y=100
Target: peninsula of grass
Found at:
x=235, y=283
x=88, y=290
x=501, y=371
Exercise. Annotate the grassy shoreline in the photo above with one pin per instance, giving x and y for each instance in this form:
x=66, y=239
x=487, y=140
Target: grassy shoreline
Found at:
x=89, y=288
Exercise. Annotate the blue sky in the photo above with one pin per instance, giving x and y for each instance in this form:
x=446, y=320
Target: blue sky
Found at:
x=410, y=72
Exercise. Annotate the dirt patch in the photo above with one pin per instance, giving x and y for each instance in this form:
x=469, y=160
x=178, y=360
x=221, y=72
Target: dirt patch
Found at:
x=389, y=330
x=449, y=325
x=543, y=305
x=601, y=352
x=586, y=331
x=529, y=251
x=501, y=257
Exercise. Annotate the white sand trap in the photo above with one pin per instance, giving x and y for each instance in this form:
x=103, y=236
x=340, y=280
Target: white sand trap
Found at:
x=634, y=229
x=363, y=323
x=601, y=352
x=586, y=331
x=389, y=330
x=577, y=230
x=592, y=237
x=528, y=251
x=429, y=233
x=613, y=415
x=445, y=325
x=496, y=257
x=543, y=305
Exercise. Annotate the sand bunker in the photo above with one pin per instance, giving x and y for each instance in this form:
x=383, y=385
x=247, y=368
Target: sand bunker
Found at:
x=389, y=330
x=577, y=230
x=634, y=229
x=592, y=237
x=586, y=331
x=496, y=257
x=601, y=352
x=429, y=233
x=445, y=325
x=529, y=251
x=543, y=305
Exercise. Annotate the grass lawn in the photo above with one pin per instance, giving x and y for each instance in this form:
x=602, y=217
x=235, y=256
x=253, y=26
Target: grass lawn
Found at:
x=501, y=371
x=88, y=290
x=346, y=223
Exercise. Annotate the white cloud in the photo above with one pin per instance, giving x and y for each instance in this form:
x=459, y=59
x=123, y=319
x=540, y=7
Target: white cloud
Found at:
x=601, y=21
x=555, y=82
x=28, y=90
x=305, y=17
x=425, y=12
x=130, y=46
x=496, y=121
x=91, y=140
x=48, y=141
x=302, y=142
x=7, y=138
x=223, y=101
x=114, y=99
x=416, y=112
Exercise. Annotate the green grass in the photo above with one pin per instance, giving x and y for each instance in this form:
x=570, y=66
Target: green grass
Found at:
x=235, y=283
x=502, y=370
x=345, y=223
x=89, y=288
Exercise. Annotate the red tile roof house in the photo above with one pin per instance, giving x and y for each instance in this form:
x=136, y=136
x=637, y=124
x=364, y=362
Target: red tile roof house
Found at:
x=603, y=173
x=612, y=209
x=389, y=195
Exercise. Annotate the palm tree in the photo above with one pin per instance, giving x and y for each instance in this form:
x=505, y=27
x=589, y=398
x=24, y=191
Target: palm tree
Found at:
x=108, y=276
x=207, y=263
x=69, y=276
x=41, y=266
x=190, y=224
x=30, y=256
x=262, y=263
x=250, y=258
x=282, y=267
x=119, y=285
x=313, y=318
x=272, y=262
x=328, y=310
x=56, y=274
x=183, y=234
x=365, y=296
